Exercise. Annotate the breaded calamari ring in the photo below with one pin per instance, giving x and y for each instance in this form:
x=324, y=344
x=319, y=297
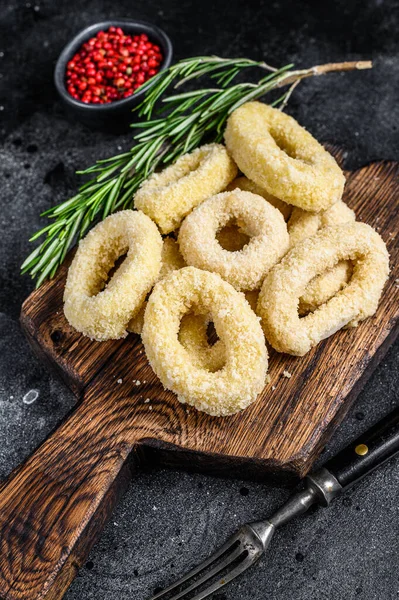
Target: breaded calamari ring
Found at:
x=245, y=184
x=167, y=197
x=286, y=282
x=273, y=150
x=102, y=310
x=171, y=260
x=242, y=377
x=303, y=224
x=263, y=223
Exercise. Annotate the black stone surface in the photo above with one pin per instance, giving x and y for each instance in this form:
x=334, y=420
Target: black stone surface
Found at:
x=170, y=520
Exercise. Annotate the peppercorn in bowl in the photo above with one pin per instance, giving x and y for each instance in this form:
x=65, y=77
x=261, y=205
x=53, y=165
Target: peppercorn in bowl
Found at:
x=101, y=70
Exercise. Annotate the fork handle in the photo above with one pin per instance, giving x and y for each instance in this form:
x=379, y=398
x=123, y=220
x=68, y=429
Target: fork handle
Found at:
x=371, y=449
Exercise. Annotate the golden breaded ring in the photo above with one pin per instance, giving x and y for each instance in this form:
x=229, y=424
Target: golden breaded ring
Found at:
x=263, y=223
x=102, y=313
x=278, y=300
x=167, y=197
x=303, y=224
x=245, y=184
x=273, y=150
x=242, y=377
x=171, y=260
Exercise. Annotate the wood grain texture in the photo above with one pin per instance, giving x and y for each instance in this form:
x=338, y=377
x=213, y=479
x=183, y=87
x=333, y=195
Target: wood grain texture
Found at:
x=54, y=506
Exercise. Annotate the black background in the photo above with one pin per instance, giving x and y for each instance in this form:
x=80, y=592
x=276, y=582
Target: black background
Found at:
x=169, y=520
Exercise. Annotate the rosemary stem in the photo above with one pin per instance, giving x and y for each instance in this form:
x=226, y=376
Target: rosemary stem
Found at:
x=292, y=76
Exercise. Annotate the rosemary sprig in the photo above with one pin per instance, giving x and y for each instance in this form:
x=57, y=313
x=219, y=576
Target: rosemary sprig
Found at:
x=181, y=123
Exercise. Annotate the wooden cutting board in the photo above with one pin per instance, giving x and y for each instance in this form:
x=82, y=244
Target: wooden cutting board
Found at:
x=53, y=507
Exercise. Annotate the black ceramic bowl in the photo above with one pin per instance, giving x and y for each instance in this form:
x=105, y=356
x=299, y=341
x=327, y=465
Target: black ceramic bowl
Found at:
x=115, y=115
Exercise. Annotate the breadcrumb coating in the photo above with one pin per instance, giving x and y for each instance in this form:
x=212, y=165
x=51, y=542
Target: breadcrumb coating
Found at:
x=287, y=281
x=102, y=310
x=167, y=197
x=242, y=377
x=264, y=224
x=245, y=184
x=275, y=152
x=171, y=260
x=303, y=224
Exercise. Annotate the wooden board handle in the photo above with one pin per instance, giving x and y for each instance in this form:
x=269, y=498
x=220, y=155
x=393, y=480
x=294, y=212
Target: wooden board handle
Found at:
x=54, y=506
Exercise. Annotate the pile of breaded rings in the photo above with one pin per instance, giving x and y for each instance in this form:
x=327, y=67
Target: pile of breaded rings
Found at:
x=271, y=256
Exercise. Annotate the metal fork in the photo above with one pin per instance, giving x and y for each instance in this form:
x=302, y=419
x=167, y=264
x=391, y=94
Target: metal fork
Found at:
x=244, y=548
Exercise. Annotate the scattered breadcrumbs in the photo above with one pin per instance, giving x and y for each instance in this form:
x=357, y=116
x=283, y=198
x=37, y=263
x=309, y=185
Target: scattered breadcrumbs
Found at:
x=268, y=378
x=147, y=400
x=138, y=382
x=287, y=374
x=119, y=381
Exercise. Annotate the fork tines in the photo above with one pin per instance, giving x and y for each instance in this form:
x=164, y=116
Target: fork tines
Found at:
x=236, y=555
